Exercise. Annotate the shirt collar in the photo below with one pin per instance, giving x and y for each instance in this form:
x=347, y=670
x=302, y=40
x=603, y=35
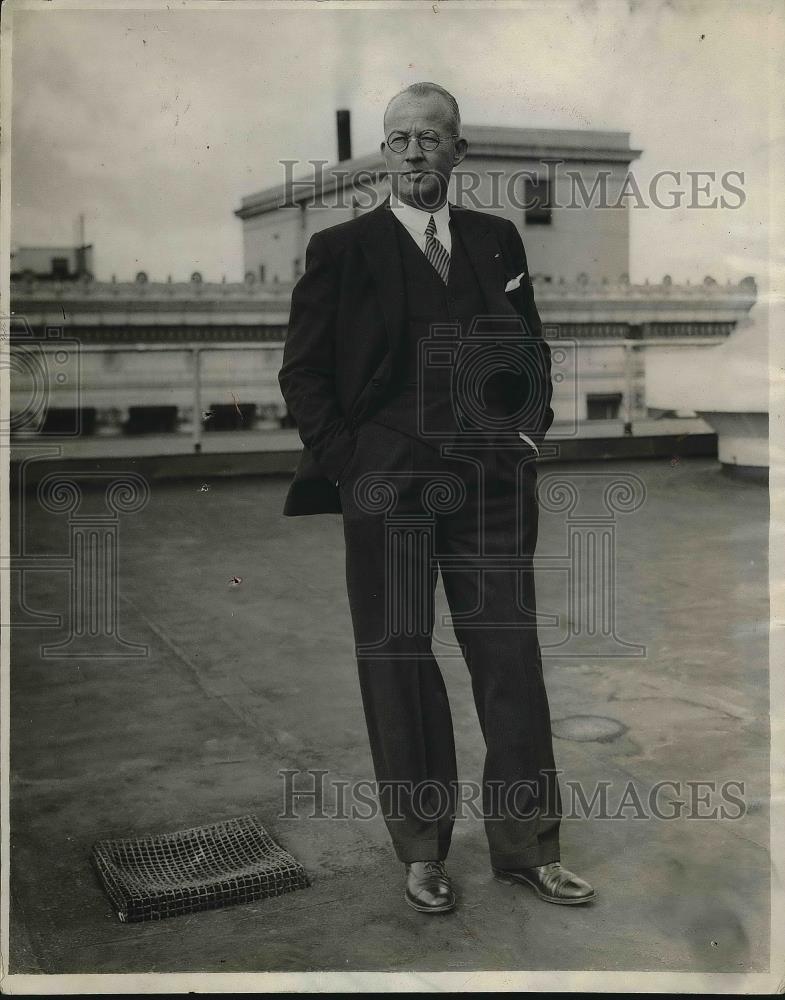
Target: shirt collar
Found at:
x=417, y=220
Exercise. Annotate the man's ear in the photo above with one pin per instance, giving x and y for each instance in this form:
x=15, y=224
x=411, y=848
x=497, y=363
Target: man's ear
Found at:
x=461, y=149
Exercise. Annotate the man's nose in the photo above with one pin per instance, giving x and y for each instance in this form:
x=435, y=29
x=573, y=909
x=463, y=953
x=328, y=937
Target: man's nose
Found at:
x=414, y=153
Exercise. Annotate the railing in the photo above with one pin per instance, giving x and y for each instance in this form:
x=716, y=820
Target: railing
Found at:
x=61, y=377
x=67, y=375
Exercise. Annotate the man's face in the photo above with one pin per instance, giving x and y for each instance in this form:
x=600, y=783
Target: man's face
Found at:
x=420, y=177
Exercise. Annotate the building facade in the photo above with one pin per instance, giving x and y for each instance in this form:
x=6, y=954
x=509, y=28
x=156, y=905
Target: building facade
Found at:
x=137, y=348
x=563, y=189
x=142, y=356
x=151, y=356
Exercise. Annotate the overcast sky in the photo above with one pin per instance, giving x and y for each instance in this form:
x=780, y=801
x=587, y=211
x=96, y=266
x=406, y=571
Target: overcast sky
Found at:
x=154, y=124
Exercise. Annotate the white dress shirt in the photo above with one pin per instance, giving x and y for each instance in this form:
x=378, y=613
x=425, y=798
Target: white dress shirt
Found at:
x=414, y=221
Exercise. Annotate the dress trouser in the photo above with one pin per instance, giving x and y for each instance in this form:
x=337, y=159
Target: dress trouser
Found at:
x=408, y=509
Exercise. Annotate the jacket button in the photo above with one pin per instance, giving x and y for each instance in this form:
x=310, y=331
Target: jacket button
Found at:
x=376, y=382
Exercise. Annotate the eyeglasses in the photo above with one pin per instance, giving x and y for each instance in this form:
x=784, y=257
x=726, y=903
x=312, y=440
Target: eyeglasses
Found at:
x=398, y=142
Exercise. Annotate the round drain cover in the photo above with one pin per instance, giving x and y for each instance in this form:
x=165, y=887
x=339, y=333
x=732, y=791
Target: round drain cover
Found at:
x=587, y=728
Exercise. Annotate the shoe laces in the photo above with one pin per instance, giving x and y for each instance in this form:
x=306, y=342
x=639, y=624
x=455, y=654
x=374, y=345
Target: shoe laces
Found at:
x=434, y=868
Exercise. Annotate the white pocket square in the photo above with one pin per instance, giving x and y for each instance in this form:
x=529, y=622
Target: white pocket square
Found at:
x=514, y=283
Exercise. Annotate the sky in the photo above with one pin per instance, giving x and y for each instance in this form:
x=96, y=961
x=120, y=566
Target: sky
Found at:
x=155, y=123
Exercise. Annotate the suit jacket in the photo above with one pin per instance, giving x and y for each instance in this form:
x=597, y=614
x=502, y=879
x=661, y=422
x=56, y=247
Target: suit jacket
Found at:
x=346, y=333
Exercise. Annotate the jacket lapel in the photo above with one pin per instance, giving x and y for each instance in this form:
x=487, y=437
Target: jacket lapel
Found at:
x=380, y=246
x=486, y=257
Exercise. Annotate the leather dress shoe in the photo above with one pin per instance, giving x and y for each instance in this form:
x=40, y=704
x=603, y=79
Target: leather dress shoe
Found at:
x=551, y=882
x=428, y=887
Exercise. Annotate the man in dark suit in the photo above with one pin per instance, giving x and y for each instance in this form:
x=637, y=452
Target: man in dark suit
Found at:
x=417, y=374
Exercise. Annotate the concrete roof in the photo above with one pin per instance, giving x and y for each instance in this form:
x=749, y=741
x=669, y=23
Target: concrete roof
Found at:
x=240, y=682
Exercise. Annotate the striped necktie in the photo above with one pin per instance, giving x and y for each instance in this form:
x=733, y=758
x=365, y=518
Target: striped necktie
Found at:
x=436, y=252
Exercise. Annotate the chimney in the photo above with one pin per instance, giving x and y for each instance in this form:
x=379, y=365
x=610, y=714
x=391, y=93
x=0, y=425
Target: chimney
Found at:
x=344, y=134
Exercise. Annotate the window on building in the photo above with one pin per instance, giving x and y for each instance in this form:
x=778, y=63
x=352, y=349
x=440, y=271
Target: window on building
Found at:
x=297, y=267
x=603, y=405
x=537, y=202
x=261, y=273
x=59, y=267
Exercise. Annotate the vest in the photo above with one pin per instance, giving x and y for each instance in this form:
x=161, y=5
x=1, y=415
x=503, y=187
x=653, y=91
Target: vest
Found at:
x=427, y=362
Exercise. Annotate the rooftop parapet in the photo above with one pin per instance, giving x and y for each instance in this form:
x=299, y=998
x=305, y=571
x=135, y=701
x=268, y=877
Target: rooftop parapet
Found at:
x=202, y=292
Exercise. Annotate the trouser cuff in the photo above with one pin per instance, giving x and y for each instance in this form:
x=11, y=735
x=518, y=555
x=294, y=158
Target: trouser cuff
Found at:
x=419, y=850
x=531, y=857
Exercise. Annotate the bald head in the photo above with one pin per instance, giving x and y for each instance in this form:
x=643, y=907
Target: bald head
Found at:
x=452, y=114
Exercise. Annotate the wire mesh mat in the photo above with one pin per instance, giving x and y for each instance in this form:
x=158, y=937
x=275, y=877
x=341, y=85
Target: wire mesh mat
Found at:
x=203, y=868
